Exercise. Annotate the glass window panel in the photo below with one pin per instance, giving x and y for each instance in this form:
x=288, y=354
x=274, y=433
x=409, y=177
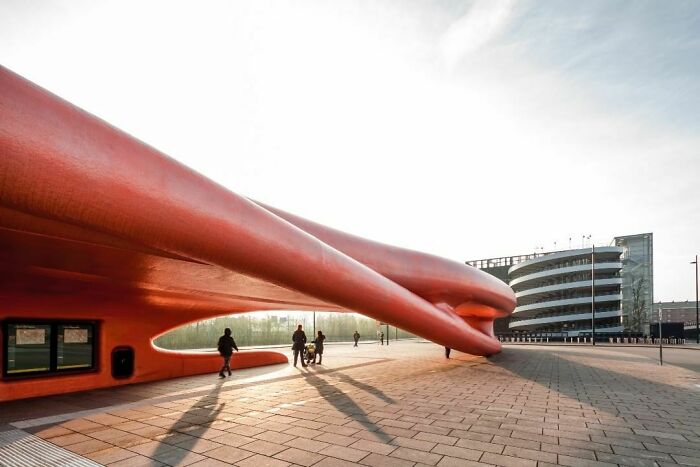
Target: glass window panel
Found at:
x=28, y=348
x=74, y=346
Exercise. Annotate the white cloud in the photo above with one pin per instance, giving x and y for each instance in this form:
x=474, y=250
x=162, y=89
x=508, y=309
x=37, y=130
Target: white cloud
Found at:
x=480, y=25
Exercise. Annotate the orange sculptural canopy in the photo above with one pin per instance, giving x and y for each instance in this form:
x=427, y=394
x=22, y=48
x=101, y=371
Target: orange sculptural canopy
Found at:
x=106, y=243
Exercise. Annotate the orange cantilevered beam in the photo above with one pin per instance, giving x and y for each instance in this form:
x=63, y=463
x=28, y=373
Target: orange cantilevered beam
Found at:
x=132, y=238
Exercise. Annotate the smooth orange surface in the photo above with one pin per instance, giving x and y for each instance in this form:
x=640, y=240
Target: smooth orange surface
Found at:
x=96, y=225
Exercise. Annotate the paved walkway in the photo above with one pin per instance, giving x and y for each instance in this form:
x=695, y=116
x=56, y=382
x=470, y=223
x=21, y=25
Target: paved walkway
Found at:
x=402, y=405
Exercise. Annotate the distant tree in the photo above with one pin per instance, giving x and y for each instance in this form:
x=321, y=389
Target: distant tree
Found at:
x=639, y=303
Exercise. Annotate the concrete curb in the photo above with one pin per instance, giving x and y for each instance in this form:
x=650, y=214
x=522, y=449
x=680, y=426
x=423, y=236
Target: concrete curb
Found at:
x=558, y=344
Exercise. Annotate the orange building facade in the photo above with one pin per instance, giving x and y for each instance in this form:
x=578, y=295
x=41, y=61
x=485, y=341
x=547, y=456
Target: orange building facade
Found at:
x=106, y=243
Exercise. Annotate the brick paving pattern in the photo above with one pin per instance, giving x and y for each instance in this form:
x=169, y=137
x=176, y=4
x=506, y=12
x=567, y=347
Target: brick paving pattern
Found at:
x=405, y=405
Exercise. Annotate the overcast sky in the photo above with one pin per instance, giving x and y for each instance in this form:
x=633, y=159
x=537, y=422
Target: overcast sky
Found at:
x=464, y=129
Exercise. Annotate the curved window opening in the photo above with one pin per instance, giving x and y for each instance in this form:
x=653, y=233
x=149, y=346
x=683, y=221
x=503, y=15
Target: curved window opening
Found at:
x=273, y=328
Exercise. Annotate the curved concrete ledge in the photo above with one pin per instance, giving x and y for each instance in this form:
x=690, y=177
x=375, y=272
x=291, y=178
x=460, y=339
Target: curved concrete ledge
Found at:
x=549, y=273
x=563, y=318
x=539, y=306
x=605, y=253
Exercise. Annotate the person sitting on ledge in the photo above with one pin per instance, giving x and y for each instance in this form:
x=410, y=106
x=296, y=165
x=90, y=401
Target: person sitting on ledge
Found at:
x=225, y=346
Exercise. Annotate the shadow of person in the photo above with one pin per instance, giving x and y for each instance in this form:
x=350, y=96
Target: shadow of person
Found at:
x=205, y=410
x=363, y=386
x=346, y=405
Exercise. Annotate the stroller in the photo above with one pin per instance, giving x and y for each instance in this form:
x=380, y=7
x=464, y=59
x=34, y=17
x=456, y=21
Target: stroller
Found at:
x=309, y=352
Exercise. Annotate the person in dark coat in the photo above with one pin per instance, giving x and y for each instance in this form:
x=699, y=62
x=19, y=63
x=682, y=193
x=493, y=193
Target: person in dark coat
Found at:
x=318, y=342
x=225, y=346
x=447, y=352
x=356, y=337
x=381, y=338
x=299, y=340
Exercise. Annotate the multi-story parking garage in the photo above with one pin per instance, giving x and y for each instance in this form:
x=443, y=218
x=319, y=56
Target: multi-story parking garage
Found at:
x=553, y=288
x=554, y=291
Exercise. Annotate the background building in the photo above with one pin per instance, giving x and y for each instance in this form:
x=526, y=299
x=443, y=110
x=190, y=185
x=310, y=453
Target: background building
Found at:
x=554, y=289
x=676, y=312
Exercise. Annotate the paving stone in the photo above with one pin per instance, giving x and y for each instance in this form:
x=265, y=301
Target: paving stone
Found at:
x=578, y=462
x=137, y=461
x=110, y=455
x=177, y=457
x=250, y=431
x=533, y=454
x=625, y=460
x=274, y=437
x=379, y=460
x=685, y=460
x=332, y=438
x=228, y=454
x=299, y=457
x=261, y=461
x=436, y=438
x=265, y=448
x=412, y=443
x=86, y=447
x=455, y=451
x=67, y=440
x=416, y=455
x=343, y=452
x=208, y=462
x=334, y=462
x=305, y=444
x=232, y=439
x=480, y=446
x=448, y=461
x=507, y=461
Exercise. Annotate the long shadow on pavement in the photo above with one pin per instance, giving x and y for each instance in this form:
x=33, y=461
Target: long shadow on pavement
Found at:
x=345, y=404
x=597, y=387
x=167, y=451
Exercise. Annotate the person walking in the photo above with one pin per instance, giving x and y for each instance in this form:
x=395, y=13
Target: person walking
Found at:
x=318, y=342
x=356, y=337
x=447, y=352
x=381, y=338
x=299, y=340
x=225, y=346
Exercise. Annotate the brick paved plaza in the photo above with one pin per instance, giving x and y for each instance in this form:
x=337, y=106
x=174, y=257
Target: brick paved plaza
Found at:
x=402, y=405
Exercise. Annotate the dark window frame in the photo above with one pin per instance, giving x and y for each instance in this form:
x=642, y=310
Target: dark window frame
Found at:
x=53, y=347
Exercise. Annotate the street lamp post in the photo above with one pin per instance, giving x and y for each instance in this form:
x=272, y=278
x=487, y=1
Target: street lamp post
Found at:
x=661, y=347
x=593, y=294
x=697, y=321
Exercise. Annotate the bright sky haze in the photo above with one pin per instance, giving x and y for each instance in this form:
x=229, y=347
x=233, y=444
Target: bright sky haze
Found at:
x=464, y=129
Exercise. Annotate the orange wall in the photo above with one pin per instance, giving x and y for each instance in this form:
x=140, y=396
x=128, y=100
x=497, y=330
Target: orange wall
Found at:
x=118, y=326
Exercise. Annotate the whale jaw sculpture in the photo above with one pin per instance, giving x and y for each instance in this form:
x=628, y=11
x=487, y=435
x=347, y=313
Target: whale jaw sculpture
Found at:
x=95, y=225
